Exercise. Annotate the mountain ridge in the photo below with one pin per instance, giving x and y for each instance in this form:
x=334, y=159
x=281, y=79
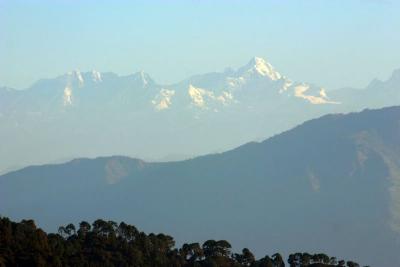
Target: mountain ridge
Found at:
x=78, y=113
x=255, y=67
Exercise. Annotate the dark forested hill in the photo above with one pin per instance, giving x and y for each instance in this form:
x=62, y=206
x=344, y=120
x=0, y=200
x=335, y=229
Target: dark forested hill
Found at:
x=107, y=243
x=331, y=184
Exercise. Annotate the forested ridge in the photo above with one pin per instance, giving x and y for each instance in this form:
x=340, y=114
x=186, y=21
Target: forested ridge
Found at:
x=106, y=243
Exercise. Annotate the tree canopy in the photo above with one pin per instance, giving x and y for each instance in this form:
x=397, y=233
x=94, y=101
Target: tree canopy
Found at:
x=107, y=243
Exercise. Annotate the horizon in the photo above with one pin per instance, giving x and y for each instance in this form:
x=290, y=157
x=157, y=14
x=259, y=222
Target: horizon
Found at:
x=123, y=37
x=227, y=68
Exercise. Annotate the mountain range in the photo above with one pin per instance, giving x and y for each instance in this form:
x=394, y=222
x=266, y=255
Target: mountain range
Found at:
x=83, y=114
x=331, y=184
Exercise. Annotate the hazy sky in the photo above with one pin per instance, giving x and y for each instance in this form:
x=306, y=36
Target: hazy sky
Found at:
x=331, y=43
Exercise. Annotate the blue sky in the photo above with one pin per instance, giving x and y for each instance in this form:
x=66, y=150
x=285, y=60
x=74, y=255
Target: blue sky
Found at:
x=331, y=43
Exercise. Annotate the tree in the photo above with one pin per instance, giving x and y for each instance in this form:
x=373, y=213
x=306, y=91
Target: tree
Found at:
x=196, y=252
x=62, y=231
x=293, y=262
x=266, y=262
x=223, y=248
x=70, y=229
x=305, y=259
x=246, y=258
x=278, y=260
x=352, y=264
x=333, y=261
x=84, y=228
x=127, y=232
x=102, y=227
x=109, y=244
x=209, y=248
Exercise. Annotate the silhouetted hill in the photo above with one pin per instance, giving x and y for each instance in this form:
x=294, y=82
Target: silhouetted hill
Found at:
x=107, y=243
x=330, y=184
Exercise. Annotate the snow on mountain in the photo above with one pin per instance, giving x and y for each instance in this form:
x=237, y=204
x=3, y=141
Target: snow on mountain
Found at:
x=96, y=76
x=256, y=83
x=202, y=98
x=67, y=96
x=259, y=66
x=256, y=79
x=163, y=99
x=78, y=113
x=322, y=98
x=77, y=75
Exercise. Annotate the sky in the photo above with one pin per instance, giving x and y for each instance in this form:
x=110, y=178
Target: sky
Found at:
x=330, y=43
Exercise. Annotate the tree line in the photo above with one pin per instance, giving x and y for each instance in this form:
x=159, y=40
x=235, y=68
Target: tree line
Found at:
x=106, y=243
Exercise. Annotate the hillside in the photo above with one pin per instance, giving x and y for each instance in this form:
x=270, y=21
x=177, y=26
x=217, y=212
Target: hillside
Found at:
x=330, y=184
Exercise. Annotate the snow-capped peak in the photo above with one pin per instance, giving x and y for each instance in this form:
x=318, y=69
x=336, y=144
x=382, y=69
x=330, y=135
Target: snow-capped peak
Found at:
x=263, y=68
x=96, y=76
x=79, y=77
x=76, y=75
x=144, y=77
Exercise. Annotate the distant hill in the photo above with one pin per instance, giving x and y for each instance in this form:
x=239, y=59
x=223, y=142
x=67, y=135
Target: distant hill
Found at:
x=331, y=184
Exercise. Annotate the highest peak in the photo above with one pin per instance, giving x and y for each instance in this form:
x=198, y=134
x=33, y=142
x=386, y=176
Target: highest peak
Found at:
x=260, y=66
x=258, y=60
